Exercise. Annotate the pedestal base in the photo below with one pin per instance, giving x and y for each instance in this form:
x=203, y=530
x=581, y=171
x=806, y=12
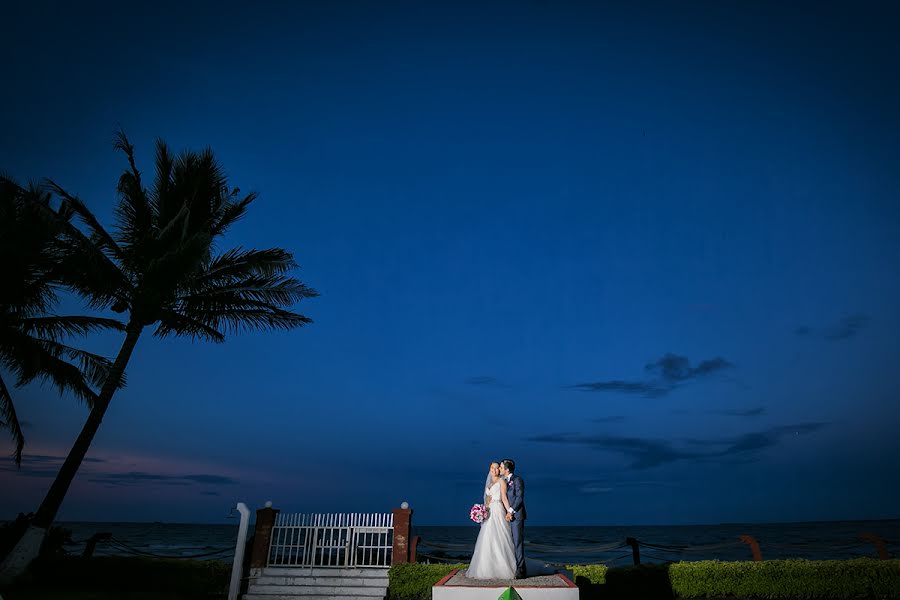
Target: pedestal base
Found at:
x=456, y=586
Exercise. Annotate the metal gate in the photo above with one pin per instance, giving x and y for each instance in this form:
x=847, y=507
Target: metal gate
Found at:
x=332, y=540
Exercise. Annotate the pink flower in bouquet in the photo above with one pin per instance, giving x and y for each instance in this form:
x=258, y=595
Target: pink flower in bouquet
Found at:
x=478, y=513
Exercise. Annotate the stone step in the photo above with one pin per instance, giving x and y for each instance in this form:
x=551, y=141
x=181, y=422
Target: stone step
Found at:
x=324, y=572
x=348, y=581
x=316, y=590
x=292, y=597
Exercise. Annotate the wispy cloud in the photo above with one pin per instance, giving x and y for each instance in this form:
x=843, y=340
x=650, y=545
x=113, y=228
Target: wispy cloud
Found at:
x=485, y=380
x=103, y=471
x=602, y=486
x=646, y=452
x=846, y=328
x=139, y=477
x=668, y=372
x=610, y=419
x=643, y=452
x=757, y=411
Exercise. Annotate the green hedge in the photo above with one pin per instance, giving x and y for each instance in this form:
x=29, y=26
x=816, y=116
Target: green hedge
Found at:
x=589, y=574
x=857, y=578
x=414, y=581
x=794, y=579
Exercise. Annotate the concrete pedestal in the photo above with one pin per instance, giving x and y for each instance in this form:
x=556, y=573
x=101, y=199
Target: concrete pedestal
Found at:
x=456, y=586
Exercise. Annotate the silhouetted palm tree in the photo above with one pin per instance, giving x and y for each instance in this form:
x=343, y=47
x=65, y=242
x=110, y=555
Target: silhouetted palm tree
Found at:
x=163, y=271
x=39, y=256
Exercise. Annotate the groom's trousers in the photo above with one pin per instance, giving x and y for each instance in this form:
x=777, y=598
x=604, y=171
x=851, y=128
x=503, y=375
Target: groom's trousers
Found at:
x=517, y=527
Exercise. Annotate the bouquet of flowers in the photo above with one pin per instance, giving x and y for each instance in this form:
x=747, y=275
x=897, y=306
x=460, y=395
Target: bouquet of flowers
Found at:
x=478, y=513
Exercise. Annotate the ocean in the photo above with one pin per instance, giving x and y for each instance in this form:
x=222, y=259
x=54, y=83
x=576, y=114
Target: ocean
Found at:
x=548, y=544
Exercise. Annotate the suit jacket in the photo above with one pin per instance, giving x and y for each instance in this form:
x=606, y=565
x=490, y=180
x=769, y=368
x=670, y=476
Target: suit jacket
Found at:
x=515, y=493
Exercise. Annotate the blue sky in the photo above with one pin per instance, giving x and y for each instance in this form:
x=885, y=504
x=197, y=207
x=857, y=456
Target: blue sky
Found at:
x=647, y=251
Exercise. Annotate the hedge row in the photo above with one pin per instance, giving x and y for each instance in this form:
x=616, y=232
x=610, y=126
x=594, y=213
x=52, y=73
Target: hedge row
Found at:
x=856, y=578
x=414, y=581
x=794, y=579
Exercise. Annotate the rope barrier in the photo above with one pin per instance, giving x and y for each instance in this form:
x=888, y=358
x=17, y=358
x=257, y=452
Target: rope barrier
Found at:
x=703, y=548
x=120, y=545
x=440, y=546
x=656, y=557
x=816, y=547
x=851, y=547
x=438, y=558
x=574, y=549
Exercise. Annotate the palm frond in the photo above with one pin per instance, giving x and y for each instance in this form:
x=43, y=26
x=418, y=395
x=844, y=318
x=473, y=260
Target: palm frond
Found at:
x=237, y=263
x=231, y=212
x=98, y=234
x=55, y=327
x=11, y=421
x=95, y=367
x=263, y=289
x=163, y=181
x=37, y=359
x=173, y=323
x=89, y=272
x=241, y=319
x=134, y=213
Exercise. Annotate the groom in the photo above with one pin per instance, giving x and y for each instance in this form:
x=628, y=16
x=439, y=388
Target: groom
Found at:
x=515, y=493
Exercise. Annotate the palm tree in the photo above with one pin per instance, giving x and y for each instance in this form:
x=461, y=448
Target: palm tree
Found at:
x=163, y=271
x=33, y=240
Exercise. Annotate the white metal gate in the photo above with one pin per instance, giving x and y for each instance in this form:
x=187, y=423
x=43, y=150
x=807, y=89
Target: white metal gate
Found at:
x=332, y=540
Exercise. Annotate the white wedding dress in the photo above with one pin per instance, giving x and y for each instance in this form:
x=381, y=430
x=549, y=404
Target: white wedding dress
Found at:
x=495, y=555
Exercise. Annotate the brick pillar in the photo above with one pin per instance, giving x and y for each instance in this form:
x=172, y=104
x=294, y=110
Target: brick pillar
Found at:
x=402, y=524
x=262, y=535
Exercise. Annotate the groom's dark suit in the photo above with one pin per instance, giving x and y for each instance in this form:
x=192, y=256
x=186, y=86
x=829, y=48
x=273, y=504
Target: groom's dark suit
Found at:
x=515, y=493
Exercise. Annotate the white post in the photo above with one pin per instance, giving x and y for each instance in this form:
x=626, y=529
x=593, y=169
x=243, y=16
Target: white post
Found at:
x=237, y=569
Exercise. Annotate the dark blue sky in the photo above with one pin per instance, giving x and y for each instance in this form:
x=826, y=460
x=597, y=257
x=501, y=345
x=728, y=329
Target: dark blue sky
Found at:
x=650, y=252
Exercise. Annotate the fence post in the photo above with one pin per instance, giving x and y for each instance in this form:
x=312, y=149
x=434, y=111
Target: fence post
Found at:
x=402, y=522
x=92, y=543
x=879, y=544
x=262, y=536
x=413, y=546
x=237, y=565
x=635, y=550
x=754, y=546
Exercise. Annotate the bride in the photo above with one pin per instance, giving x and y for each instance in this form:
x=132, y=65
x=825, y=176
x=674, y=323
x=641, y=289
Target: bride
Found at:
x=495, y=555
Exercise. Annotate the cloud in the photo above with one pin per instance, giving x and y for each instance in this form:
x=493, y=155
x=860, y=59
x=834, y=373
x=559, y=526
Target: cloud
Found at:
x=138, y=477
x=485, y=380
x=603, y=486
x=98, y=470
x=846, y=328
x=39, y=465
x=746, y=412
x=648, y=390
x=610, y=419
x=671, y=371
x=756, y=441
x=675, y=368
x=645, y=452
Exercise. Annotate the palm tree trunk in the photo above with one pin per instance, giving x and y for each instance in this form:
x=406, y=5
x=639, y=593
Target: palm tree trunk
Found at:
x=28, y=547
x=54, y=498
